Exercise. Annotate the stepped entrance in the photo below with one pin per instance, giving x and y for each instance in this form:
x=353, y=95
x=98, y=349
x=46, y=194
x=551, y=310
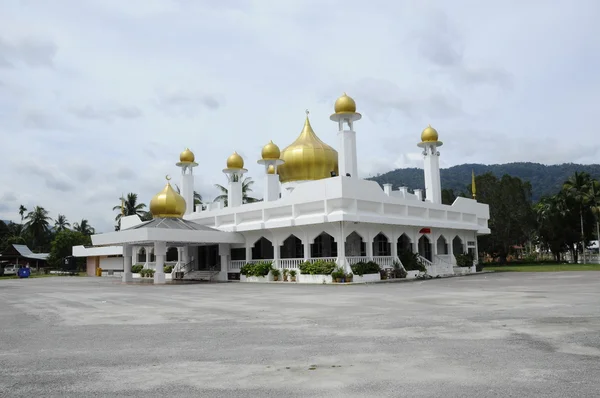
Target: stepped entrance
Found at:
x=208, y=258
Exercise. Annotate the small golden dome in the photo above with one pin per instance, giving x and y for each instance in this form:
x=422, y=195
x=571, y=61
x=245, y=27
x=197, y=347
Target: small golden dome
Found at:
x=429, y=134
x=270, y=151
x=271, y=169
x=307, y=158
x=235, y=161
x=167, y=203
x=187, y=156
x=345, y=104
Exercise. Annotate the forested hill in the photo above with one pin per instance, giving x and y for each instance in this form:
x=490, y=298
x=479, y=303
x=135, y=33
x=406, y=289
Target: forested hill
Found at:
x=545, y=180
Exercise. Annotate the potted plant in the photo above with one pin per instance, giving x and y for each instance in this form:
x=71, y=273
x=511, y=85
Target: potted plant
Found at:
x=275, y=273
x=349, y=277
x=285, y=274
x=338, y=275
x=293, y=275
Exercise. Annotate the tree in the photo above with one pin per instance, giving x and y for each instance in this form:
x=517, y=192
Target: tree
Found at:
x=511, y=215
x=246, y=184
x=37, y=226
x=22, y=211
x=595, y=206
x=577, y=188
x=448, y=196
x=197, y=196
x=84, y=227
x=62, y=245
x=61, y=223
x=554, y=224
x=129, y=206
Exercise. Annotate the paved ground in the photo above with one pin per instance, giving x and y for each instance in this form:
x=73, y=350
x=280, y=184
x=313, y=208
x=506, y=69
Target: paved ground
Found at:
x=493, y=335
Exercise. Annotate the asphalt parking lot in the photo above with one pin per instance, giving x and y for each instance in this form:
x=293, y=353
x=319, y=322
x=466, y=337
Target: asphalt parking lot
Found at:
x=491, y=335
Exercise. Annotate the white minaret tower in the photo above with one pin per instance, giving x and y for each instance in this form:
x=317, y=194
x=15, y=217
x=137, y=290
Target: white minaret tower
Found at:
x=187, y=164
x=433, y=184
x=235, y=171
x=271, y=159
x=345, y=115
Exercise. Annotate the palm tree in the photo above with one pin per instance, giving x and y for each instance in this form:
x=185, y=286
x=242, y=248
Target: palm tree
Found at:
x=197, y=196
x=37, y=224
x=129, y=207
x=22, y=211
x=246, y=184
x=84, y=227
x=595, y=203
x=577, y=188
x=61, y=223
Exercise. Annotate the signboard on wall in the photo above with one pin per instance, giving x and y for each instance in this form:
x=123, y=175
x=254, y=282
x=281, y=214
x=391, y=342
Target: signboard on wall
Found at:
x=425, y=231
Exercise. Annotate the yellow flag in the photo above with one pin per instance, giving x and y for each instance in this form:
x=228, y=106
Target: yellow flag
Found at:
x=473, y=188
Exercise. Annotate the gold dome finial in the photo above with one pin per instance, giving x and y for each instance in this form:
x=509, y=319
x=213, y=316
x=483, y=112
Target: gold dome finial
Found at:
x=345, y=104
x=167, y=203
x=271, y=169
x=307, y=158
x=429, y=134
x=187, y=156
x=270, y=151
x=235, y=161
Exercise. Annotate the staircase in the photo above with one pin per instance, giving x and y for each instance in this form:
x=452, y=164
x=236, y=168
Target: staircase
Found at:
x=200, y=275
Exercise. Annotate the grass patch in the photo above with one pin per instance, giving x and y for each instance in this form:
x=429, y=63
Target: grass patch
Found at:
x=542, y=267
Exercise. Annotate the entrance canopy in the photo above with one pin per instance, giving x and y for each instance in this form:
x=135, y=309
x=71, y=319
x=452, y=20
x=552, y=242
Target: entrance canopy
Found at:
x=174, y=231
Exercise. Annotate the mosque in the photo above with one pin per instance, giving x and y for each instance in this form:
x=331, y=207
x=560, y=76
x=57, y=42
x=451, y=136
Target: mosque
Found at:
x=314, y=207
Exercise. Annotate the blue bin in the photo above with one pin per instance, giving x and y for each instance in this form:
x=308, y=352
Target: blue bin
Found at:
x=24, y=272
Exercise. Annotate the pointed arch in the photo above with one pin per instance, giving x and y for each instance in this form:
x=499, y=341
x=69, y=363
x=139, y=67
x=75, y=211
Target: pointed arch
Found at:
x=292, y=247
x=263, y=249
x=354, y=245
x=324, y=245
x=141, y=255
x=442, y=245
x=381, y=245
x=424, y=246
x=404, y=244
x=172, y=254
x=457, y=246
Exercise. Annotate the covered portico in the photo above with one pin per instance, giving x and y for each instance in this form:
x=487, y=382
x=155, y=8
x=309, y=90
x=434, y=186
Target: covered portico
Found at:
x=161, y=233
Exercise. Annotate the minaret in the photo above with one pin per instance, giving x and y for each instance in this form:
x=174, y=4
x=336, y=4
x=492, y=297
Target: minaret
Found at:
x=430, y=144
x=235, y=172
x=187, y=164
x=345, y=115
x=270, y=159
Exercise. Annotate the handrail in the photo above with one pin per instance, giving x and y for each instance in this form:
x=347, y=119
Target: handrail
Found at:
x=185, y=268
x=426, y=262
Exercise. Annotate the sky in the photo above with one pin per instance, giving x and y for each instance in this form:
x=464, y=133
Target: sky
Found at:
x=99, y=97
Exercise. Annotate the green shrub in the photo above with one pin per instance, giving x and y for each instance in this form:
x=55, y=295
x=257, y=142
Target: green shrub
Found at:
x=412, y=262
x=147, y=273
x=361, y=268
x=293, y=272
x=261, y=268
x=137, y=268
x=168, y=269
x=318, y=267
x=275, y=272
x=338, y=273
x=464, y=260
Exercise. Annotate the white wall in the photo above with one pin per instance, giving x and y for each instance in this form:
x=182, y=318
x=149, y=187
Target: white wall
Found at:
x=111, y=263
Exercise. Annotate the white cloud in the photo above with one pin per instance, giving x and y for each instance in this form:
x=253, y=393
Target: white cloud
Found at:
x=97, y=98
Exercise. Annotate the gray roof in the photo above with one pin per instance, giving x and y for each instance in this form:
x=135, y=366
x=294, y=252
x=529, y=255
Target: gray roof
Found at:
x=24, y=251
x=172, y=223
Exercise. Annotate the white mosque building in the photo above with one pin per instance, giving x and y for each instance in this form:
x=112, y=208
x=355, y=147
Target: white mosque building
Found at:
x=315, y=207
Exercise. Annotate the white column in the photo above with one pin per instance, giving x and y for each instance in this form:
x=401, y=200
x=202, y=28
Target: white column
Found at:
x=147, y=263
x=394, y=243
x=160, y=250
x=272, y=187
x=341, y=248
x=431, y=170
x=275, y=243
x=127, y=254
x=187, y=189
x=234, y=193
x=369, y=244
x=225, y=255
x=179, y=257
x=419, y=193
x=307, y=243
x=347, y=155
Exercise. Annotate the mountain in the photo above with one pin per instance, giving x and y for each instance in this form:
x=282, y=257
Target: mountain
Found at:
x=544, y=179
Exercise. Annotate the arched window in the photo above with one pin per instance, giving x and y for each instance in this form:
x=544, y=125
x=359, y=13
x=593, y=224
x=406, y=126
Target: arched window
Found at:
x=404, y=244
x=292, y=248
x=355, y=246
x=324, y=246
x=141, y=255
x=425, y=247
x=263, y=249
x=381, y=245
x=457, y=246
x=442, y=245
x=172, y=254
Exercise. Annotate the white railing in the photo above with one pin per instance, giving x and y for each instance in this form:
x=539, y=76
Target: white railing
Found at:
x=383, y=261
x=315, y=259
x=289, y=263
x=425, y=262
x=357, y=259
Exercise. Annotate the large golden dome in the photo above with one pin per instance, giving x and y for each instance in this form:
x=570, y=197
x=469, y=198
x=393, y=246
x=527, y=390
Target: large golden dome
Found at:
x=270, y=151
x=429, y=134
x=345, y=104
x=307, y=158
x=167, y=203
x=235, y=161
x=187, y=156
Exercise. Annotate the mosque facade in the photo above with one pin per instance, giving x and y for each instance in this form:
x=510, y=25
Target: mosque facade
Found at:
x=314, y=207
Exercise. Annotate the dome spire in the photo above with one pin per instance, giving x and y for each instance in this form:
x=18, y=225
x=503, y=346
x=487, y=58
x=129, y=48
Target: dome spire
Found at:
x=167, y=203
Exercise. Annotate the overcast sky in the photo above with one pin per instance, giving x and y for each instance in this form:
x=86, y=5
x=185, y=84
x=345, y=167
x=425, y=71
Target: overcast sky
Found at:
x=99, y=97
